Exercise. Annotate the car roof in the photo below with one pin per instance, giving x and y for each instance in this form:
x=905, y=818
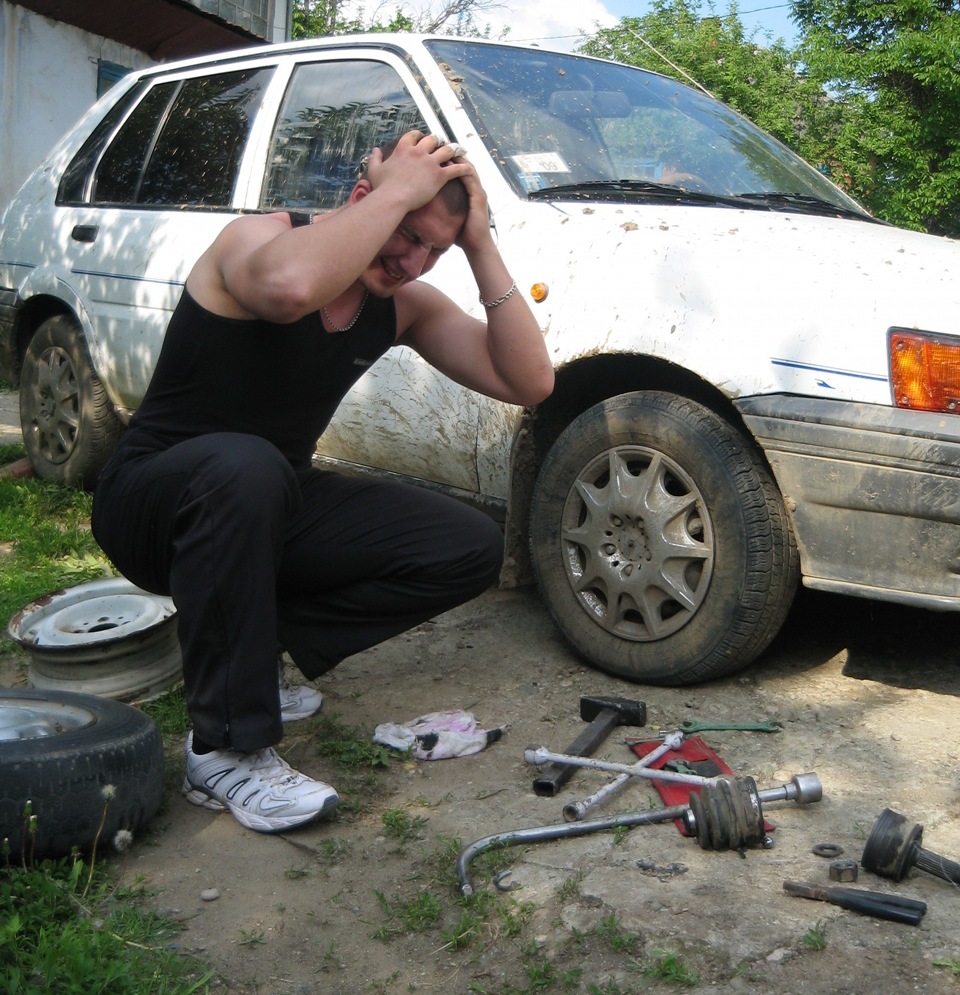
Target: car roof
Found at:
x=399, y=42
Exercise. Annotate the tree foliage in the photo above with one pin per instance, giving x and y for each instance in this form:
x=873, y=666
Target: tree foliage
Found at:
x=319, y=18
x=892, y=69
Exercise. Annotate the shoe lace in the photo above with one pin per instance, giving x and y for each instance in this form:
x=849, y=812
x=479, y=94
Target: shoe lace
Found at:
x=273, y=768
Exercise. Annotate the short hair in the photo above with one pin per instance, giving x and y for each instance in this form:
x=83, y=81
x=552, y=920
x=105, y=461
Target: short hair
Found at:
x=453, y=194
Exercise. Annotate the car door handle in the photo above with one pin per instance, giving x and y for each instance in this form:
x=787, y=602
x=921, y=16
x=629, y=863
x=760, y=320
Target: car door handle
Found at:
x=85, y=233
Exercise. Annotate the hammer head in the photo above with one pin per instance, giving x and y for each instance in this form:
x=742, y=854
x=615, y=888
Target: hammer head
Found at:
x=626, y=712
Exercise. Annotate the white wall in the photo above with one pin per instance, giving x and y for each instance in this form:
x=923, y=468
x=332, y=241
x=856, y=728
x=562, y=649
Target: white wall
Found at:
x=48, y=78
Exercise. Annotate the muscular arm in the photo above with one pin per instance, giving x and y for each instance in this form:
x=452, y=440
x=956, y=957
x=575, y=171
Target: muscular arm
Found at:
x=261, y=267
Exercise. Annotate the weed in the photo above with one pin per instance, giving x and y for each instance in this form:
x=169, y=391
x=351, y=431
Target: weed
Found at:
x=416, y=916
x=671, y=968
x=462, y=932
x=330, y=960
x=515, y=917
x=333, y=849
x=251, y=937
x=617, y=939
x=951, y=963
x=295, y=873
x=349, y=747
x=399, y=823
x=570, y=889
x=620, y=834
x=815, y=938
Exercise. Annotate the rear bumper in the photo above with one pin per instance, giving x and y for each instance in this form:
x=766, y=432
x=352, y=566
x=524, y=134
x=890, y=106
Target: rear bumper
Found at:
x=873, y=491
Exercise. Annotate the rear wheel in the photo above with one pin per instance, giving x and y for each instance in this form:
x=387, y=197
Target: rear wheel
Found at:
x=660, y=541
x=69, y=426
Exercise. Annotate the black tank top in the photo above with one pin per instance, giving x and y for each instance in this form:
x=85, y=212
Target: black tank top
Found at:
x=280, y=382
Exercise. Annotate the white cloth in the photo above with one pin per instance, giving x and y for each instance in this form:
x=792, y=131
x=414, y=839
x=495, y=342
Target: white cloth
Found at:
x=438, y=735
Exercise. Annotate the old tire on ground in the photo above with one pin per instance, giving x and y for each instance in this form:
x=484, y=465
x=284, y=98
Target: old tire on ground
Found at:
x=59, y=750
x=69, y=425
x=660, y=542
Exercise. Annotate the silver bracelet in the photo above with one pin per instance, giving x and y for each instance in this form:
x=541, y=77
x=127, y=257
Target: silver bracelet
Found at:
x=499, y=300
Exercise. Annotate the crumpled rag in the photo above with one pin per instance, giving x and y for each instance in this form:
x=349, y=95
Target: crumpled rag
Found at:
x=438, y=735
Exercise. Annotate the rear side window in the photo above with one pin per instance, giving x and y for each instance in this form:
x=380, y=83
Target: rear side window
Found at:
x=333, y=114
x=180, y=146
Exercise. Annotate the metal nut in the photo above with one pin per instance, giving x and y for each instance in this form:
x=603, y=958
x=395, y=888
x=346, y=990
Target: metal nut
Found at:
x=843, y=870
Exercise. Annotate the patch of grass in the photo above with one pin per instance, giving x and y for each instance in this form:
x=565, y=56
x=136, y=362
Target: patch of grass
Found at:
x=616, y=937
x=63, y=929
x=47, y=541
x=400, y=824
x=671, y=968
x=417, y=915
x=952, y=964
x=11, y=452
x=815, y=937
x=169, y=711
x=348, y=746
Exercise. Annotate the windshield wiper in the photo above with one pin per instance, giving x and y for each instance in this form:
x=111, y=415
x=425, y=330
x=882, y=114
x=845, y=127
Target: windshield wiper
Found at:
x=610, y=189
x=805, y=203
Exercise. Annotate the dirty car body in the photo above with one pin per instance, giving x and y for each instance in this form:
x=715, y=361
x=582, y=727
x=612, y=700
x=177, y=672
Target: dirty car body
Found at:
x=756, y=381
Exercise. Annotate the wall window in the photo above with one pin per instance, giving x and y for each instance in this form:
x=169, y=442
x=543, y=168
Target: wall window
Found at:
x=107, y=74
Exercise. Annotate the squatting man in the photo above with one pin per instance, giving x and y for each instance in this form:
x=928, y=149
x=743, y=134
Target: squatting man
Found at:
x=211, y=496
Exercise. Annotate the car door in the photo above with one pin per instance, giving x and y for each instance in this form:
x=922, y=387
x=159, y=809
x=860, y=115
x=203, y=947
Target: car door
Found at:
x=402, y=415
x=146, y=193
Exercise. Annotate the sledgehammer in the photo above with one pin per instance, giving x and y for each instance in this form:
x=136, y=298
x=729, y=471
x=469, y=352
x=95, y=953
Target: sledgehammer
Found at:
x=603, y=714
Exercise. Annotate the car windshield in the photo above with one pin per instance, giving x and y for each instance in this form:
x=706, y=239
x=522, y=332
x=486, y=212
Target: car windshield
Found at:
x=564, y=125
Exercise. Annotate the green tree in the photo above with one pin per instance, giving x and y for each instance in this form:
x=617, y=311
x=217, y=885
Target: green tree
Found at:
x=892, y=68
x=760, y=80
x=318, y=18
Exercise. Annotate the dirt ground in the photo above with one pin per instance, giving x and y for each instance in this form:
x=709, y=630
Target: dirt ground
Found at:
x=867, y=697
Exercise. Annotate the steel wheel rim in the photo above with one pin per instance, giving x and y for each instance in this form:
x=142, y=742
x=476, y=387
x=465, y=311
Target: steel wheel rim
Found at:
x=22, y=719
x=637, y=543
x=54, y=415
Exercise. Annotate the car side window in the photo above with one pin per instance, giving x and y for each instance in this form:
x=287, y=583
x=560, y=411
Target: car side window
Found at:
x=181, y=145
x=333, y=114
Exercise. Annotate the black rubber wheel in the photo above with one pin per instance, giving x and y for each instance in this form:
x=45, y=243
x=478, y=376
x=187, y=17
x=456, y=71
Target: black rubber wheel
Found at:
x=69, y=425
x=61, y=751
x=660, y=542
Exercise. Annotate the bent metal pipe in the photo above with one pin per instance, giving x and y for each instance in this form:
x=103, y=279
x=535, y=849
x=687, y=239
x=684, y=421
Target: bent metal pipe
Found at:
x=802, y=788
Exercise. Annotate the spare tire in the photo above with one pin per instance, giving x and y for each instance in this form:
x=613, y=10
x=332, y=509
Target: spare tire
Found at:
x=62, y=752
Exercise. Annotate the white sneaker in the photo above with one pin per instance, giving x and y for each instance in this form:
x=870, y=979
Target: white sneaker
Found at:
x=297, y=701
x=261, y=790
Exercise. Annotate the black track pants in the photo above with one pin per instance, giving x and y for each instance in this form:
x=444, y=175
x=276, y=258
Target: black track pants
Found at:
x=254, y=555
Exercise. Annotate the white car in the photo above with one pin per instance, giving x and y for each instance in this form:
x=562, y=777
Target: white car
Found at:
x=756, y=381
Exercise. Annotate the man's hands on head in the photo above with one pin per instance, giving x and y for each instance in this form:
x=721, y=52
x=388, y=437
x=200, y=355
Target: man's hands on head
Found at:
x=418, y=167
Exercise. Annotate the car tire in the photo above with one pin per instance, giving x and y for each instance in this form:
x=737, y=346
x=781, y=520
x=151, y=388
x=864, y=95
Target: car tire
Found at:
x=660, y=542
x=68, y=422
x=59, y=751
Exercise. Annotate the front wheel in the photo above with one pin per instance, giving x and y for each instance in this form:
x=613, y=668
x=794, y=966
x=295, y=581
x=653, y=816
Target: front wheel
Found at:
x=69, y=426
x=660, y=542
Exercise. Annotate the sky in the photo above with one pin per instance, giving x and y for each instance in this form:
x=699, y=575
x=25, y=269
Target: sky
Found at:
x=558, y=23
